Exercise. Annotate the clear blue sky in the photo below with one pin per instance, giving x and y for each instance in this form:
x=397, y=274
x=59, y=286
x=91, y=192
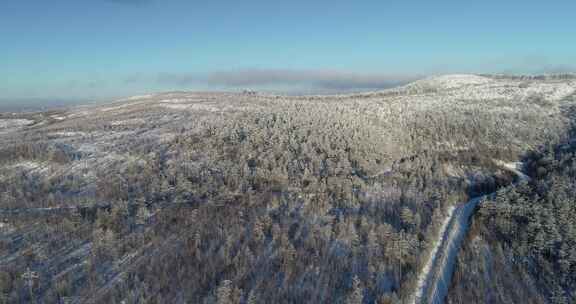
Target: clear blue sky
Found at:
x=94, y=49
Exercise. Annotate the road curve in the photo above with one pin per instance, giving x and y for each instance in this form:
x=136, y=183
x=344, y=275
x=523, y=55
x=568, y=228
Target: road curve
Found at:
x=436, y=275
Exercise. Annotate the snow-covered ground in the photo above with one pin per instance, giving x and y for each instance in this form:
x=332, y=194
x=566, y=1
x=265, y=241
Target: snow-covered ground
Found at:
x=516, y=168
x=5, y=226
x=436, y=275
x=31, y=166
x=434, y=254
x=128, y=122
x=191, y=106
x=14, y=123
x=452, y=81
x=58, y=117
x=68, y=134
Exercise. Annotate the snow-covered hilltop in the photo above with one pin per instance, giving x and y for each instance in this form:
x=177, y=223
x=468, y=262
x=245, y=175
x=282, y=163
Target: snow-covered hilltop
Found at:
x=452, y=81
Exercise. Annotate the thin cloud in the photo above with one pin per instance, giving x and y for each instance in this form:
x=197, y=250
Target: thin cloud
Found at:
x=539, y=64
x=558, y=68
x=180, y=79
x=318, y=79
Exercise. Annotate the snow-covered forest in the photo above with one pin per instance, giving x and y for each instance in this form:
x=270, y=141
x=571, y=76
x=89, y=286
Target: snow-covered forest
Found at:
x=186, y=197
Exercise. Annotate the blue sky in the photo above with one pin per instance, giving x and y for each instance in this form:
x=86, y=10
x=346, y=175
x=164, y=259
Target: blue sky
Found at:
x=101, y=49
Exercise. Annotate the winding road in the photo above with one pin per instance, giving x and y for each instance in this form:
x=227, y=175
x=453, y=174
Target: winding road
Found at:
x=436, y=275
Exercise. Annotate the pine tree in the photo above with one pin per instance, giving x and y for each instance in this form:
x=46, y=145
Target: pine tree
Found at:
x=407, y=216
x=357, y=294
x=258, y=231
x=142, y=215
x=224, y=293
x=252, y=297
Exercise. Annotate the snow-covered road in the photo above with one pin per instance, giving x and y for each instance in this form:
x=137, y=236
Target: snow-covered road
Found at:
x=434, y=279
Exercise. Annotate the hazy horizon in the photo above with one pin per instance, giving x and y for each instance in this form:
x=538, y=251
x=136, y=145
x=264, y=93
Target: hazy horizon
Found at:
x=45, y=104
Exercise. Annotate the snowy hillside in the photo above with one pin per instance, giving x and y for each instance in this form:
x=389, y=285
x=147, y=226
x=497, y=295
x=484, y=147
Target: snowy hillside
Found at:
x=452, y=81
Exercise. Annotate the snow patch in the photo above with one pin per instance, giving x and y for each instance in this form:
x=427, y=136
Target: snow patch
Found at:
x=177, y=106
x=14, y=123
x=452, y=81
x=134, y=121
x=549, y=91
x=68, y=134
x=137, y=97
x=123, y=106
x=175, y=100
x=32, y=166
x=6, y=227
x=88, y=148
x=192, y=107
x=514, y=167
